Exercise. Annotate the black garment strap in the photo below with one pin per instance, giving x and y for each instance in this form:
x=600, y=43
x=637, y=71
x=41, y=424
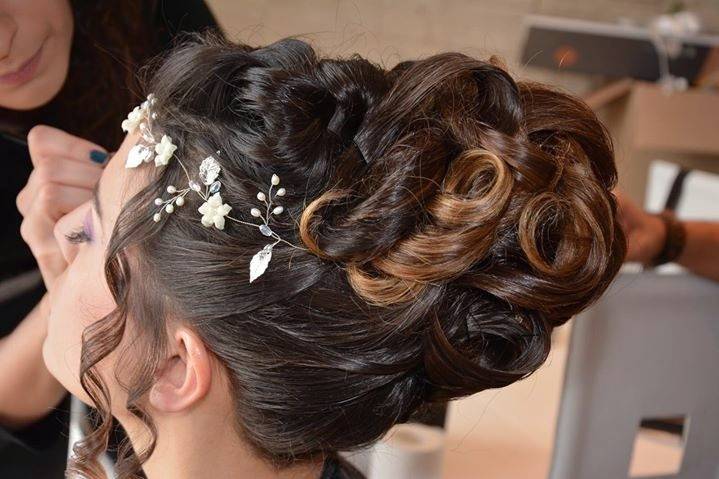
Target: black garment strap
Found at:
x=675, y=193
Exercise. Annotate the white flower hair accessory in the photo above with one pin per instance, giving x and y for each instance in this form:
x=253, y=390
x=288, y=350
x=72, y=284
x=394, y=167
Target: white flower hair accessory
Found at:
x=164, y=150
x=148, y=148
x=133, y=120
x=214, y=212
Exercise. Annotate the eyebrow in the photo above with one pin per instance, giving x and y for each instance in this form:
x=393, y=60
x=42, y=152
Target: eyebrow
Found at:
x=96, y=199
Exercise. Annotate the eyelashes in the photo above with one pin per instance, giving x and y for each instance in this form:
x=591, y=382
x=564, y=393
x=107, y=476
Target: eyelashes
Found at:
x=78, y=236
x=83, y=234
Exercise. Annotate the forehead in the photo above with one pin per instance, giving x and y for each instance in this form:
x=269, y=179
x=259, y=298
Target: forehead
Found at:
x=118, y=184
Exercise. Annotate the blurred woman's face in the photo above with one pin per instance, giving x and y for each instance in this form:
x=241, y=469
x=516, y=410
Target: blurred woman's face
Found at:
x=35, y=41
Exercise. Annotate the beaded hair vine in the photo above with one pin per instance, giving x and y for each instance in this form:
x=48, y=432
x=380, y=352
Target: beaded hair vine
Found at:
x=214, y=212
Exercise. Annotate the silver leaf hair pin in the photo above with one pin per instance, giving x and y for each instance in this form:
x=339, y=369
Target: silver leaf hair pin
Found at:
x=213, y=210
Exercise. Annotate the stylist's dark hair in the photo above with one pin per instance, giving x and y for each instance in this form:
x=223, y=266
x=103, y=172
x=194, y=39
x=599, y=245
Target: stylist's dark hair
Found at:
x=452, y=216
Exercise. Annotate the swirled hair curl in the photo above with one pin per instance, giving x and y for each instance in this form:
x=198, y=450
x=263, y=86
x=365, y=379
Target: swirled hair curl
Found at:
x=452, y=218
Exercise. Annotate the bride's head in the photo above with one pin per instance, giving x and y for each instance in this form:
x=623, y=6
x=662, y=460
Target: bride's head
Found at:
x=447, y=218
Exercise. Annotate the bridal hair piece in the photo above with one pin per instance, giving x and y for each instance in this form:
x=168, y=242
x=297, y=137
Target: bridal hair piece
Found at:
x=207, y=185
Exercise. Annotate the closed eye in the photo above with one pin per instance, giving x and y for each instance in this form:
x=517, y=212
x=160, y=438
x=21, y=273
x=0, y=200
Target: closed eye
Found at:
x=78, y=236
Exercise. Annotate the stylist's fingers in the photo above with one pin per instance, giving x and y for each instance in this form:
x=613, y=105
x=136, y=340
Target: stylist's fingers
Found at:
x=56, y=170
x=66, y=171
x=37, y=229
x=48, y=142
x=55, y=200
x=34, y=230
x=60, y=158
x=51, y=175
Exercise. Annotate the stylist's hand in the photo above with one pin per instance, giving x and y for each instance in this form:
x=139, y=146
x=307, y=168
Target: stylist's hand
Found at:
x=645, y=232
x=66, y=169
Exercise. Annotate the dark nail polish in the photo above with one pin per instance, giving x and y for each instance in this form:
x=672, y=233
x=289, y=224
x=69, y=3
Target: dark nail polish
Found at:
x=98, y=156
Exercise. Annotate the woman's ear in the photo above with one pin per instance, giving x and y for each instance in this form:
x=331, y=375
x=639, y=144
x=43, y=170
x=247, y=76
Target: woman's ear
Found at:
x=185, y=376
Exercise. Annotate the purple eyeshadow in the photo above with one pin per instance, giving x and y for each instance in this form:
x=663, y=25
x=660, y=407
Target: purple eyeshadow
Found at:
x=87, y=225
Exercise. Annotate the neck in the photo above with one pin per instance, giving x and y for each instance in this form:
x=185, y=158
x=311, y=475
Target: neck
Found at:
x=217, y=455
x=204, y=443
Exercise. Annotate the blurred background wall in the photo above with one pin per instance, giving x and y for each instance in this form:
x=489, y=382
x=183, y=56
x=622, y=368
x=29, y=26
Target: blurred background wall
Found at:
x=387, y=31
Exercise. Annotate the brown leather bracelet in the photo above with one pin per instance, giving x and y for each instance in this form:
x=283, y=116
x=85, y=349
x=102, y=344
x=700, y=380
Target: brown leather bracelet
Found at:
x=674, y=242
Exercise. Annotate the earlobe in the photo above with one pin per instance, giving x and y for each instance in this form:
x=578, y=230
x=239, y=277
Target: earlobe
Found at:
x=186, y=375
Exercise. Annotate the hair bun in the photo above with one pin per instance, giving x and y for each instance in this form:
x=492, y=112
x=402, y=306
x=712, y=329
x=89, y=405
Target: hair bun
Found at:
x=478, y=184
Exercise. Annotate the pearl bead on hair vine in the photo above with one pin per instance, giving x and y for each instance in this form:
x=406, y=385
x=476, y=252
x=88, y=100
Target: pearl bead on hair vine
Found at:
x=214, y=212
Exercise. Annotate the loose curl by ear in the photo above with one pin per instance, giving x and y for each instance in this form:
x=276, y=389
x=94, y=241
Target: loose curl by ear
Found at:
x=452, y=217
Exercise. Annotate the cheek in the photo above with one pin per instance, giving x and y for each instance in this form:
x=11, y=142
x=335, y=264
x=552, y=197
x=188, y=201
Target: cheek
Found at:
x=62, y=24
x=57, y=48
x=50, y=23
x=79, y=298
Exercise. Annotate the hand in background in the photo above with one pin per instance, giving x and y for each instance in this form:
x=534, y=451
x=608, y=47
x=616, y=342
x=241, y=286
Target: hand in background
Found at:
x=645, y=232
x=28, y=391
x=66, y=169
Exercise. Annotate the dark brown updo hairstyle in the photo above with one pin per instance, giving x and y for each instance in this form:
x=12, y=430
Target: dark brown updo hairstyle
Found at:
x=452, y=218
